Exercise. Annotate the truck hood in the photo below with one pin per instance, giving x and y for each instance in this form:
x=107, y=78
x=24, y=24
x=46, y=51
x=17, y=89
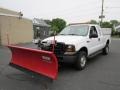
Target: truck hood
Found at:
x=68, y=39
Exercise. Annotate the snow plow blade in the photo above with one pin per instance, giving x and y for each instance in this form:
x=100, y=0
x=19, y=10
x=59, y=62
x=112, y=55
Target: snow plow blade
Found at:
x=37, y=61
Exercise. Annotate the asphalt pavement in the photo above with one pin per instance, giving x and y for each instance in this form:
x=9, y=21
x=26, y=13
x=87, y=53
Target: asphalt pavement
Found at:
x=102, y=73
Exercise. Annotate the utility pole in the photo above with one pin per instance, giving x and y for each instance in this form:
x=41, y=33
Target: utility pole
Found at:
x=102, y=13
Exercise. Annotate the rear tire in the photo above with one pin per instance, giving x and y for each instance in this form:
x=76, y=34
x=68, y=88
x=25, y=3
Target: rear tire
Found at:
x=80, y=63
x=106, y=50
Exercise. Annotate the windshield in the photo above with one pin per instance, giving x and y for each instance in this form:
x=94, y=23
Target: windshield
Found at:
x=80, y=30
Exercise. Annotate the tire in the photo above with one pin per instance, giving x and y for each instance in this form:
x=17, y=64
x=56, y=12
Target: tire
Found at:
x=80, y=63
x=106, y=50
x=39, y=43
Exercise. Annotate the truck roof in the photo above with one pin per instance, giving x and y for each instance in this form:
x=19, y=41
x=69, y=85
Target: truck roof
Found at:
x=72, y=24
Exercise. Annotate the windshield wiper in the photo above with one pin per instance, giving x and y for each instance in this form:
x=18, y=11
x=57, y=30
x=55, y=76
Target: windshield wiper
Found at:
x=62, y=34
x=74, y=34
x=70, y=34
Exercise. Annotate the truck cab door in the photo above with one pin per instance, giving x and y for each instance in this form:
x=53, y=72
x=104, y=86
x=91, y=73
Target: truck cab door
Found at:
x=101, y=38
x=93, y=40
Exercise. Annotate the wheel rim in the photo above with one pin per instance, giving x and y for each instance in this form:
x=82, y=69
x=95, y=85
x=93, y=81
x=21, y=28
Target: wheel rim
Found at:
x=83, y=61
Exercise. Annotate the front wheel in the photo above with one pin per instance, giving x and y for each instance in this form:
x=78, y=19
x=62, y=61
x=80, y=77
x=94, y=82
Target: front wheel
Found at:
x=39, y=43
x=81, y=60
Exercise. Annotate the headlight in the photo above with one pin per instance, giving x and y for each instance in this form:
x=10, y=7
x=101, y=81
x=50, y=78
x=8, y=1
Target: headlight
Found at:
x=70, y=49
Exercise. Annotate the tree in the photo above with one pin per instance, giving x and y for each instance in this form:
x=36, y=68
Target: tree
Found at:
x=59, y=24
x=114, y=22
x=55, y=29
x=93, y=22
x=106, y=25
x=48, y=21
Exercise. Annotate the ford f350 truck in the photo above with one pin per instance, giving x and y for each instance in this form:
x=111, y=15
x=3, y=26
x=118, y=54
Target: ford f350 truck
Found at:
x=77, y=42
x=74, y=44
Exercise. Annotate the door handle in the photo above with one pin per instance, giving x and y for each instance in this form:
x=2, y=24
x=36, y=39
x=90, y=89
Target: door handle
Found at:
x=88, y=41
x=98, y=39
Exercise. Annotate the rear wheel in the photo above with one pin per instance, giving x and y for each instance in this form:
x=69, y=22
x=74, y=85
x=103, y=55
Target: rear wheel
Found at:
x=106, y=49
x=81, y=60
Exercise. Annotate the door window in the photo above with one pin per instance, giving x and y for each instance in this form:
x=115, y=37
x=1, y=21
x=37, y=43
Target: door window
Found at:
x=93, y=30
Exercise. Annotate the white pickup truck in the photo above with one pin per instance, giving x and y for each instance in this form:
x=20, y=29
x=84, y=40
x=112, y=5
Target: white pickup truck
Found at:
x=77, y=42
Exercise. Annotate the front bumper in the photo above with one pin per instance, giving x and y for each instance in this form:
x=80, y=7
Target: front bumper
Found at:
x=67, y=58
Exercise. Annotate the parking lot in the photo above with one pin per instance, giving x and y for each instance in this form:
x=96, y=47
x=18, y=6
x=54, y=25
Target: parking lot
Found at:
x=101, y=73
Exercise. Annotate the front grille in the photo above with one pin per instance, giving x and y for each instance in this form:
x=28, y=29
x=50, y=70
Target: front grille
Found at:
x=59, y=48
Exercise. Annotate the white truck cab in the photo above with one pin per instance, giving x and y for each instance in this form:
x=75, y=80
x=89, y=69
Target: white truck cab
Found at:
x=75, y=43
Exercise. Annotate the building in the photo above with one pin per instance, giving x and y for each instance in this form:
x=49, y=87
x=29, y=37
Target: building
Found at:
x=14, y=28
x=117, y=28
x=41, y=29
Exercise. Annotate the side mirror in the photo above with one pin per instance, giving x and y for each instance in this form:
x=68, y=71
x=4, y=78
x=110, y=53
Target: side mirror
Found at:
x=93, y=36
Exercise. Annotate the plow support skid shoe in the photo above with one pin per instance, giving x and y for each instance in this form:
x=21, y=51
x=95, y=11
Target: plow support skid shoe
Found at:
x=38, y=61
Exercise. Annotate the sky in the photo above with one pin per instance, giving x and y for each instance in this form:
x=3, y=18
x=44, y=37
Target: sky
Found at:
x=73, y=11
